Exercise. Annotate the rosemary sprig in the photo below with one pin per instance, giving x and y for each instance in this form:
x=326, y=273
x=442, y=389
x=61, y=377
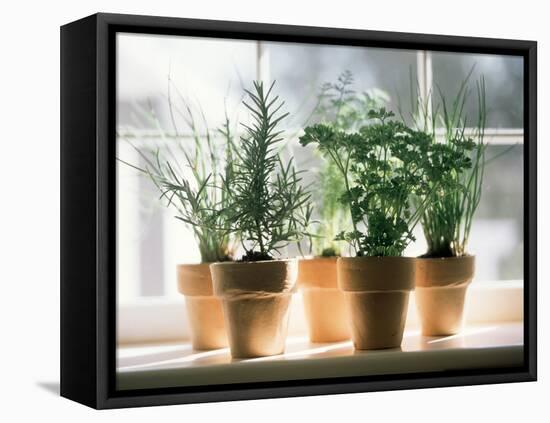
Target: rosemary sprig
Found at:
x=268, y=207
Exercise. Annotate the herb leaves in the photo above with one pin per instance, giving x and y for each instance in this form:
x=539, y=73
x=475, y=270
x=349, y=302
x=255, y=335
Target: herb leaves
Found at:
x=384, y=165
x=268, y=207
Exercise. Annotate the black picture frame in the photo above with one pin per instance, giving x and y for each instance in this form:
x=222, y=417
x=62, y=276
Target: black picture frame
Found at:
x=88, y=285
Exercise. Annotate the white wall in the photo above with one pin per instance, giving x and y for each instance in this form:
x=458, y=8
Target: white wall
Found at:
x=29, y=216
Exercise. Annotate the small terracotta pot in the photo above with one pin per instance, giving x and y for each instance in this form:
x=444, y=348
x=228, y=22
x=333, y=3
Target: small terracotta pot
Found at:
x=204, y=310
x=376, y=292
x=441, y=285
x=323, y=301
x=255, y=298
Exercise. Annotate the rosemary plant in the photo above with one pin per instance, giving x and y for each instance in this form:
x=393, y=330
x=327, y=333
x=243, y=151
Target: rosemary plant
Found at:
x=187, y=177
x=383, y=165
x=342, y=108
x=268, y=207
x=447, y=221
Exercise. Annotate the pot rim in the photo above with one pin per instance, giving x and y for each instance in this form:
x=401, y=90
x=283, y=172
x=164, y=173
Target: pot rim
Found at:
x=311, y=258
x=191, y=265
x=464, y=257
x=318, y=272
x=377, y=258
x=372, y=274
x=194, y=280
x=445, y=272
x=228, y=263
x=256, y=279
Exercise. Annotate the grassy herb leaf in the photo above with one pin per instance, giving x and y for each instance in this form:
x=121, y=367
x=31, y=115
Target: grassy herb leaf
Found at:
x=447, y=221
x=185, y=170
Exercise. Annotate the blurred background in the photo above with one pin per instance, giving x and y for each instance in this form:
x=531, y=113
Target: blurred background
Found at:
x=209, y=75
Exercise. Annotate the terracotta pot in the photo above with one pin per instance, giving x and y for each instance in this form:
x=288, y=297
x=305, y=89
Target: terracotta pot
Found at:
x=376, y=292
x=204, y=310
x=255, y=298
x=441, y=285
x=323, y=301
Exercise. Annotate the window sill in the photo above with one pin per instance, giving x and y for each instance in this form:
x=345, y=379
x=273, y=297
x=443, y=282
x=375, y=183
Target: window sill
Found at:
x=149, y=320
x=176, y=364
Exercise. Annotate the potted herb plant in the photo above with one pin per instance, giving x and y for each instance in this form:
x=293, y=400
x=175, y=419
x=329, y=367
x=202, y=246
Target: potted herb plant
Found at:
x=269, y=209
x=384, y=165
x=317, y=278
x=444, y=273
x=339, y=107
x=186, y=177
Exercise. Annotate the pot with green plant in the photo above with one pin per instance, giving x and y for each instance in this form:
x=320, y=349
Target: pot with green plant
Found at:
x=317, y=278
x=339, y=107
x=444, y=273
x=186, y=177
x=384, y=166
x=268, y=209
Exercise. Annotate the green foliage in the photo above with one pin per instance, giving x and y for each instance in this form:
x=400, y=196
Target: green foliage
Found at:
x=342, y=108
x=185, y=170
x=447, y=221
x=384, y=166
x=333, y=217
x=268, y=207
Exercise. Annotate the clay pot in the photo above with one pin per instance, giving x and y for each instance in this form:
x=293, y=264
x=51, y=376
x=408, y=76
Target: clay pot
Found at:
x=323, y=301
x=255, y=298
x=376, y=292
x=204, y=310
x=441, y=285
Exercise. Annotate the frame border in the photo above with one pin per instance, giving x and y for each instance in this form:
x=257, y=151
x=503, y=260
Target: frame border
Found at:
x=88, y=194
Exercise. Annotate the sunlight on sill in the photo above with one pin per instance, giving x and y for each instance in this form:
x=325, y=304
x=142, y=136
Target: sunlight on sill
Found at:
x=464, y=333
x=165, y=356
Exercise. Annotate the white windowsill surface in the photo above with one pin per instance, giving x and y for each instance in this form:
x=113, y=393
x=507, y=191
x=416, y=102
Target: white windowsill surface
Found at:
x=485, y=345
x=152, y=320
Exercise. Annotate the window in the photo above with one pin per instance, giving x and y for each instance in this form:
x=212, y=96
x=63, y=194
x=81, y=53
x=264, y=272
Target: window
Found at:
x=301, y=69
x=210, y=76
x=504, y=78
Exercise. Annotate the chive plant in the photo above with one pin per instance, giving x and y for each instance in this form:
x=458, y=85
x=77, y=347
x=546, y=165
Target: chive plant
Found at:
x=187, y=172
x=385, y=165
x=447, y=221
x=268, y=207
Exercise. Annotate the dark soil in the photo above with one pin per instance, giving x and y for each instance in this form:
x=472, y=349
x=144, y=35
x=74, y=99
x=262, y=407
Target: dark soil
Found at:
x=441, y=254
x=255, y=256
x=329, y=252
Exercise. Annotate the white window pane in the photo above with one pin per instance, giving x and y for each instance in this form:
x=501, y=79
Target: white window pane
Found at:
x=301, y=69
x=497, y=232
x=208, y=72
x=504, y=84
